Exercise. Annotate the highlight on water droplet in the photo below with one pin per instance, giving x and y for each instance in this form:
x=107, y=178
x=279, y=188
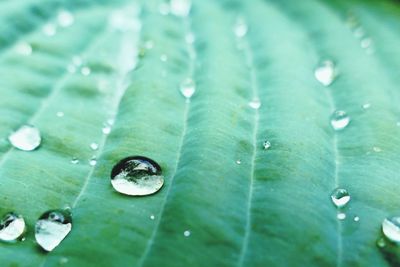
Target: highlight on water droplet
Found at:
x=106, y=129
x=180, y=8
x=12, y=227
x=341, y=216
x=93, y=161
x=26, y=138
x=391, y=229
x=240, y=29
x=152, y=217
x=65, y=18
x=187, y=233
x=52, y=227
x=339, y=120
x=325, y=72
x=187, y=88
x=137, y=176
x=238, y=162
x=340, y=197
x=255, y=104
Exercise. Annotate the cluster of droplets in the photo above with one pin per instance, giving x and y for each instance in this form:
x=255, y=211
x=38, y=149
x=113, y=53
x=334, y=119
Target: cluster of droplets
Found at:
x=64, y=19
x=360, y=34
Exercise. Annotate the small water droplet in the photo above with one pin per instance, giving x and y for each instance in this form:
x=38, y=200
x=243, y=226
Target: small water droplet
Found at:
x=106, y=129
x=52, y=227
x=164, y=58
x=255, y=104
x=163, y=8
x=63, y=260
x=188, y=88
x=339, y=120
x=366, y=106
x=356, y=218
x=93, y=161
x=366, y=43
x=77, y=61
x=325, y=72
x=23, y=48
x=359, y=32
x=190, y=38
x=391, y=228
x=49, y=29
x=340, y=197
x=71, y=68
x=152, y=217
x=12, y=227
x=240, y=29
x=85, y=71
x=137, y=176
x=65, y=18
x=266, y=144
x=180, y=8
x=26, y=138
x=74, y=160
x=187, y=233
x=94, y=146
x=341, y=216
x=238, y=162
x=149, y=44
x=381, y=243
x=60, y=114
x=377, y=149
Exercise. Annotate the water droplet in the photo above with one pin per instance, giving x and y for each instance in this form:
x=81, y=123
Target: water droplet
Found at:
x=63, y=260
x=60, y=114
x=391, y=229
x=187, y=88
x=340, y=197
x=106, y=129
x=52, y=227
x=325, y=72
x=164, y=58
x=65, y=18
x=266, y=144
x=93, y=161
x=190, y=38
x=85, y=71
x=74, y=160
x=341, y=216
x=339, y=120
x=377, y=149
x=94, y=146
x=23, y=48
x=77, y=61
x=149, y=44
x=359, y=32
x=187, y=233
x=255, y=104
x=381, y=243
x=137, y=176
x=26, y=138
x=71, y=68
x=180, y=8
x=356, y=218
x=366, y=106
x=238, y=162
x=12, y=227
x=49, y=29
x=398, y=123
x=240, y=29
x=152, y=217
x=163, y=8
x=366, y=43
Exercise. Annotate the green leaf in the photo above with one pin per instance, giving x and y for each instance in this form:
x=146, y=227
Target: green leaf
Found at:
x=238, y=203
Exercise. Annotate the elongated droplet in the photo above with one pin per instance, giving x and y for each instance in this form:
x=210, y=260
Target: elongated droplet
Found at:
x=188, y=88
x=52, y=227
x=391, y=229
x=137, y=176
x=339, y=120
x=180, y=8
x=12, y=227
x=340, y=197
x=325, y=72
x=26, y=138
x=255, y=104
x=240, y=29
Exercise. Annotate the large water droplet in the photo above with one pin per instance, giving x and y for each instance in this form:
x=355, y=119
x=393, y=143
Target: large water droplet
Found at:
x=339, y=120
x=26, y=138
x=325, y=72
x=391, y=229
x=180, y=8
x=65, y=18
x=12, y=227
x=137, y=176
x=240, y=29
x=340, y=197
x=188, y=88
x=52, y=227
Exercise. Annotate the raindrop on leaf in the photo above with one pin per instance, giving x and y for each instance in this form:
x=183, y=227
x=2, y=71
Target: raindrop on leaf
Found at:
x=26, y=138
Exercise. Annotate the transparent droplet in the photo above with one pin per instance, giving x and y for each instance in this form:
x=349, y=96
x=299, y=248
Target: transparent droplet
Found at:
x=106, y=129
x=23, y=48
x=85, y=71
x=340, y=197
x=180, y=8
x=152, y=217
x=188, y=88
x=163, y=8
x=325, y=72
x=49, y=29
x=381, y=243
x=255, y=104
x=266, y=144
x=238, y=162
x=356, y=218
x=366, y=106
x=94, y=146
x=164, y=58
x=137, y=176
x=12, y=227
x=341, y=216
x=391, y=229
x=190, y=38
x=26, y=138
x=60, y=114
x=377, y=149
x=52, y=227
x=74, y=160
x=339, y=120
x=240, y=29
x=65, y=18
x=187, y=233
x=93, y=161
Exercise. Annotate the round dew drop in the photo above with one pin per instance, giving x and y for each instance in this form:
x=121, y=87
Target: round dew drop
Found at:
x=340, y=197
x=137, y=176
x=12, y=227
x=339, y=120
x=26, y=138
x=52, y=227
